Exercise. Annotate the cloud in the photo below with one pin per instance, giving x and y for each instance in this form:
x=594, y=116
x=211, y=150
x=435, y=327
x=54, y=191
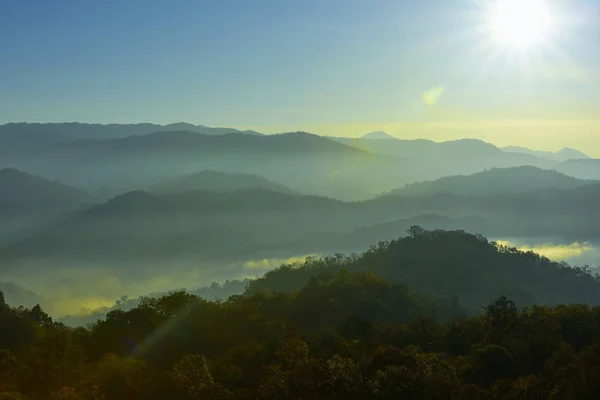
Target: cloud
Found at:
x=552, y=251
x=269, y=263
x=431, y=96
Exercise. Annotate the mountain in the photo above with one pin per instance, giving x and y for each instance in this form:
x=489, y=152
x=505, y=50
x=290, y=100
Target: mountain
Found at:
x=362, y=237
x=187, y=142
x=195, y=224
x=432, y=160
x=309, y=163
x=25, y=192
x=68, y=131
x=217, y=181
x=582, y=169
x=495, y=180
x=451, y=263
x=431, y=315
x=564, y=154
x=378, y=135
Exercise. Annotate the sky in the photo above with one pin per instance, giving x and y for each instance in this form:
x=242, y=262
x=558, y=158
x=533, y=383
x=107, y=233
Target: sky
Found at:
x=426, y=68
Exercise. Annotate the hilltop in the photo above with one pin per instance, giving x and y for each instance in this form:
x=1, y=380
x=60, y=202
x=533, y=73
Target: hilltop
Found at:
x=451, y=263
x=378, y=135
x=494, y=181
x=564, y=154
x=26, y=192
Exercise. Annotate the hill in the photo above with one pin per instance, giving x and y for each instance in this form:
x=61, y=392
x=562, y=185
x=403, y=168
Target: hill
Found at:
x=195, y=224
x=309, y=163
x=331, y=334
x=582, y=169
x=494, y=181
x=564, y=154
x=217, y=181
x=432, y=160
x=451, y=263
x=378, y=135
x=68, y=131
x=23, y=192
x=257, y=223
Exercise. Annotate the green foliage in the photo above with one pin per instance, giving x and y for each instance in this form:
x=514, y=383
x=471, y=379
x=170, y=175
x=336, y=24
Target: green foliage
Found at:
x=451, y=264
x=343, y=335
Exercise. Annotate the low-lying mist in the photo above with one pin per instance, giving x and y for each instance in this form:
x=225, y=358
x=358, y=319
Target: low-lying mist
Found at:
x=73, y=289
x=576, y=253
x=78, y=290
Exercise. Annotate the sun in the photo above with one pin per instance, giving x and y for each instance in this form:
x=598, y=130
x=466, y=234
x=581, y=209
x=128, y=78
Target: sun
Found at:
x=520, y=24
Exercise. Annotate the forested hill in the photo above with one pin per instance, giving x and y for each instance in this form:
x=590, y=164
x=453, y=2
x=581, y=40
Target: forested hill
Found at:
x=452, y=263
x=25, y=192
x=494, y=181
x=335, y=334
x=217, y=181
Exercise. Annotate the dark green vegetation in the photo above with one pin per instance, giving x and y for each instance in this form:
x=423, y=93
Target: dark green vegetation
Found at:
x=452, y=263
x=155, y=208
x=243, y=224
x=332, y=329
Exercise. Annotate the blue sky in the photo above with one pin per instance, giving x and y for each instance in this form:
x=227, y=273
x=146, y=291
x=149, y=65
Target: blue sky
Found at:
x=339, y=67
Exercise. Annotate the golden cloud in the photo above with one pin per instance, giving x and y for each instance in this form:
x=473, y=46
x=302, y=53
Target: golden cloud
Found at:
x=553, y=252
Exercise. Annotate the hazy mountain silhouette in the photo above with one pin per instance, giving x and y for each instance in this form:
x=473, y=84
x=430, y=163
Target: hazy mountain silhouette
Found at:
x=238, y=201
x=378, y=135
x=495, y=180
x=75, y=130
x=143, y=225
x=309, y=163
x=434, y=160
x=217, y=181
x=362, y=237
x=257, y=222
x=189, y=141
x=582, y=169
x=564, y=154
x=25, y=192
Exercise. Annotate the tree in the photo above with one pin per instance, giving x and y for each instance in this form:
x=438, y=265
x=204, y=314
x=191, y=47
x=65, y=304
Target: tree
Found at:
x=191, y=374
x=415, y=231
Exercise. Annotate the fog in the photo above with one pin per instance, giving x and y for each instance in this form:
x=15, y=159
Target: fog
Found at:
x=73, y=290
x=576, y=253
x=81, y=290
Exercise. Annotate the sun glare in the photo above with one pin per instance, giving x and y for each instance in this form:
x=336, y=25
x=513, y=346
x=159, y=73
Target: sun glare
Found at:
x=520, y=24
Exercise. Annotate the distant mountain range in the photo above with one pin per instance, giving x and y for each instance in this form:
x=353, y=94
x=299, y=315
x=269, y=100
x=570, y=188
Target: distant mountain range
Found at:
x=378, y=135
x=239, y=224
x=494, y=181
x=562, y=155
x=26, y=133
x=582, y=169
x=457, y=157
x=22, y=192
x=111, y=159
x=217, y=181
x=309, y=163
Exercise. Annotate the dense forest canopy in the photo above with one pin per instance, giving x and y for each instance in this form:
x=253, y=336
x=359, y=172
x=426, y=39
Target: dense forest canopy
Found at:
x=438, y=313
x=322, y=330
x=300, y=200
